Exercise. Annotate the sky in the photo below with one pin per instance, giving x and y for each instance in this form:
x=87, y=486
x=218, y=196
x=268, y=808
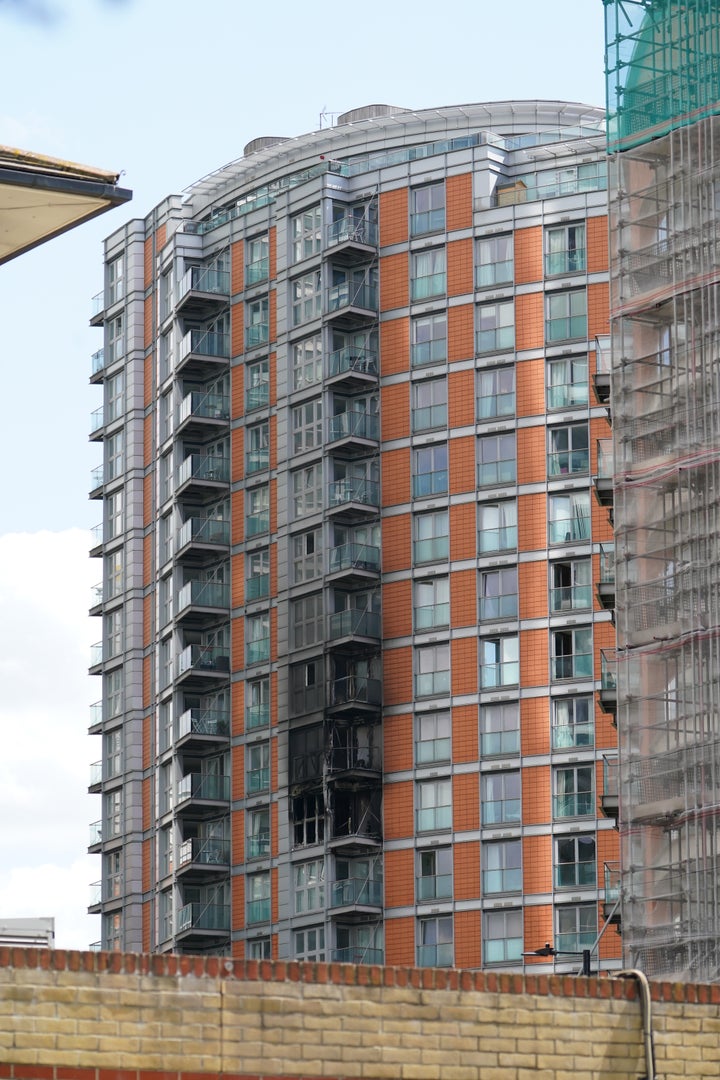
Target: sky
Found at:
x=164, y=92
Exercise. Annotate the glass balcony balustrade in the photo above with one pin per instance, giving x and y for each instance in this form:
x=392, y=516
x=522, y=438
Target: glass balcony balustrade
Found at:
x=256, y=524
x=256, y=335
x=430, y=615
x=354, y=490
x=354, y=557
x=210, y=786
x=204, y=850
x=95, y=836
x=214, y=594
x=204, y=658
x=257, y=715
x=96, y=773
x=350, y=229
x=204, y=917
x=97, y=419
x=356, y=891
x=577, y=665
x=205, y=343
x=205, y=406
x=352, y=294
x=258, y=847
x=96, y=477
x=577, y=804
x=202, y=467
x=570, y=530
x=258, y=911
x=204, y=531
x=257, y=395
x=205, y=279
x=204, y=722
x=434, y=887
x=257, y=587
x=568, y=462
x=357, y=955
x=256, y=460
x=436, y=955
x=361, y=425
x=434, y=549
x=258, y=651
x=256, y=271
x=97, y=362
x=97, y=304
x=354, y=623
x=577, y=875
x=352, y=359
x=570, y=597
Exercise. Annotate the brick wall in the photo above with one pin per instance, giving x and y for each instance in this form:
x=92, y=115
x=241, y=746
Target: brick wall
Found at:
x=109, y=1016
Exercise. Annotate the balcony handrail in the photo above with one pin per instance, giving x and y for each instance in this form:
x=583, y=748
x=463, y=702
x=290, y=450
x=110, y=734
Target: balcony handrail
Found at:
x=354, y=556
x=354, y=622
x=352, y=489
x=204, y=594
x=349, y=228
x=203, y=722
x=363, y=425
x=351, y=358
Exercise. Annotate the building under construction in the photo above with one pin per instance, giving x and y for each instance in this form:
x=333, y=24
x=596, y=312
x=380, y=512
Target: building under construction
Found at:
x=663, y=62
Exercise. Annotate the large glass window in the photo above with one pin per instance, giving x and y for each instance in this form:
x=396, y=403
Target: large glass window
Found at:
x=574, y=791
x=306, y=489
x=429, y=340
x=432, y=540
x=499, y=594
x=575, y=863
x=500, y=798
x=435, y=946
x=116, y=280
x=308, y=819
x=572, y=653
x=306, y=233
x=429, y=404
x=430, y=474
x=500, y=729
x=493, y=261
x=432, y=673
x=431, y=603
x=427, y=209
x=576, y=927
x=114, y=448
x=258, y=894
x=567, y=382
x=496, y=393
x=565, y=316
x=309, y=886
x=570, y=584
x=569, y=518
x=306, y=298
x=307, y=620
x=564, y=249
x=434, y=805
x=307, y=362
x=497, y=463
x=310, y=944
x=495, y=327
x=429, y=276
x=433, y=737
x=113, y=634
x=257, y=703
x=258, y=447
x=257, y=323
x=503, y=937
x=434, y=874
x=257, y=638
x=257, y=254
x=497, y=526
x=257, y=776
x=114, y=397
x=115, y=339
x=502, y=867
x=307, y=430
x=257, y=580
x=257, y=384
x=306, y=686
x=307, y=556
x=568, y=450
x=257, y=519
x=572, y=722
x=499, y=662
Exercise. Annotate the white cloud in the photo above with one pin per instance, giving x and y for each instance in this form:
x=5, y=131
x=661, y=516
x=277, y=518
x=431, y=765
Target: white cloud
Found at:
x=45, y=633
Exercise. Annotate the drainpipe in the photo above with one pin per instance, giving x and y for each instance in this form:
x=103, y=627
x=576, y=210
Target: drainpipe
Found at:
x=646, y=1005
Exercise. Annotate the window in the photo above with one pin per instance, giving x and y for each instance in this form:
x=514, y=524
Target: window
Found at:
x=307, y=553
x=257, y=777
x=259, y=948
x=565, y=316
x=115, y=339
x=114, y=574
x=434, y=805
x=307, y=362
x=435, y=946
x=497, y=461
x=257, y=324
x=433, y=733
x=113, y=515
x=113, y=634
x=308, y=819
x=358, y=945
x=502, y=867
x=564, y=250
x=571, y=654
x=307, y=426
x=166, y=851
x=500, y=729
x=429, y=340
x=568, y=451
x=113, y=691
x=573, y=792
x=112, y=932
x=309, y=886
x=569, y=518
x=499, y=662
x=496, y=393
x=257, y=582
x=112, y=754
x=114, y=397
x=112, y=815
x=575, y=863
x=114, y=445
x=572, y=722
x=306, y=232
x=570, y=585
x=257, y=384
x=428, y=274
x=307, y=754
x=497, y=527
x=567, y=382
x=429, y=404
x=495, y=327
x=258, y=892
x=430, y=476
x=258, y=447
x=167, y=788
x=434, y=874
x=257, y=703
x=306, y=687
x=257, y=638
x=499, y=594
x=306, y=298
x=427, y=209
x=306, y=487
x=493, y=261
x=503, y=937
x=115, y=280
x=310, y=944
x=432, y=540
x=258, y=511
x=431, y=602
x=307, y=620
x=257, y=267
x=576, y=927
x=432, y=670
x=500, y=798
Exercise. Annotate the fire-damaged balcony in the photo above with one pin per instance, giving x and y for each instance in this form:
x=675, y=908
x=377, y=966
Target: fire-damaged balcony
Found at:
x=606, y=585
x=603, y=478
x=354, y=693
x=354, y=626
x=609, y=797
x=354, y=754
x=356, y=824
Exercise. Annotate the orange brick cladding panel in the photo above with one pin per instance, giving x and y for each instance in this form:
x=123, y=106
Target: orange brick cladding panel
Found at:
x=461, y=323
x=115, y=1016
x=460, y=267
x=393, y=217
x=458, y=202
x=394, y=283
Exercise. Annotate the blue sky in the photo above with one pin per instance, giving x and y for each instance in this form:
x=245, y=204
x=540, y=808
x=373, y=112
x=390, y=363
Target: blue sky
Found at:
x=166, y=91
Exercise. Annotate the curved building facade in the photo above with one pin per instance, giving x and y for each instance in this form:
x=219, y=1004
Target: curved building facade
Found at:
x=357, y=548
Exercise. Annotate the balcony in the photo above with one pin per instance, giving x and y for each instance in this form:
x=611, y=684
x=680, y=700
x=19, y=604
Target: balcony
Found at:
x=95, y=837
x=352, y=303
x=356, y=825
x=351, y=430
x=603, y=364
x=603, y=479
x=202, y=536
x=203, y=922
x=354, y=693
x=353, y=367
x=205, y=664
x=97, y=422
x=96, y=718
x=203, y=728
x=97, y=309
x=200, y=601
x=362, y=762
x=357, y=954
x=203, y=793
x=356, y=892
x=606, y=584
x=608, y=681
x=200, y=856
x=96, y=482
x=202, y=414
x=609, y=797
x=96, y=540
x=203, y=353
x=96, y=599
x=353, y=560
x=353, y=497
x=354, y=626
x=96, y=657
x=352, y=240
x=611, y=906
x=96, y=771
x=203, y=290
x=97, y=366
x=203, y=474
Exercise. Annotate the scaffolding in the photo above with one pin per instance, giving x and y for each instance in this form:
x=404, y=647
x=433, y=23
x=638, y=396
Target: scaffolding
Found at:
x=663, y=60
